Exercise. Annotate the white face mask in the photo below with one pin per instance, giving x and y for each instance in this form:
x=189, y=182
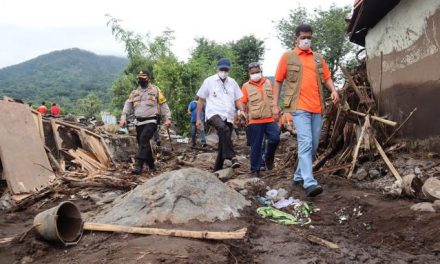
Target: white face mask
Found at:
x=223, y=74
x=255, y=77
x=305, y=44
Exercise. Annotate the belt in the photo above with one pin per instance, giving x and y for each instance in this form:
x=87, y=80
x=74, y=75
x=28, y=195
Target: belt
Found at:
x=142, y=119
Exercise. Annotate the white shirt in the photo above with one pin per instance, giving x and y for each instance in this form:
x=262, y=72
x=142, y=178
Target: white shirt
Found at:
x=220, y=97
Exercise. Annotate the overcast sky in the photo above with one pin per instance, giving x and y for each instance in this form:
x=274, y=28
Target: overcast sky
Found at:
x=29, y=28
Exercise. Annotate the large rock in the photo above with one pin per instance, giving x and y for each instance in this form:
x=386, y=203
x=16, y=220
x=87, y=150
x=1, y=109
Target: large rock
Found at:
x=431, y=189
x=176, y=196
x=212, y=140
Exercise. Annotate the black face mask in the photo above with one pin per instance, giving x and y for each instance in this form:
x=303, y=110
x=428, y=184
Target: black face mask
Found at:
x=143, y=83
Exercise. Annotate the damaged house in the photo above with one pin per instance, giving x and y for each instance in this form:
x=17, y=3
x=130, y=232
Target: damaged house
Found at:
x=402, y=43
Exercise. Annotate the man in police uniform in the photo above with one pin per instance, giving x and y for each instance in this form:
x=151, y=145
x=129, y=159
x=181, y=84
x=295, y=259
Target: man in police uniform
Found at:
x=147, y=101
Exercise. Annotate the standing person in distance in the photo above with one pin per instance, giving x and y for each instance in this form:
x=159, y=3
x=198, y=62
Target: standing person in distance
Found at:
x=306, y=73
x=222, y=95
x=192, y=111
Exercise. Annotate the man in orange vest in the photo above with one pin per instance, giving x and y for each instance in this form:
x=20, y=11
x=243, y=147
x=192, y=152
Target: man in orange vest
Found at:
x=305, y=73
x=257, y=99
x=42, y=109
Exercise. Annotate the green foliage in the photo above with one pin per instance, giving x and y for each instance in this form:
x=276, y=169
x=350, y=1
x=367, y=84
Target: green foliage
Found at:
x=329, y=36
x=179, y=81
x=89, y=106
x=246, y=50
x=61, y=77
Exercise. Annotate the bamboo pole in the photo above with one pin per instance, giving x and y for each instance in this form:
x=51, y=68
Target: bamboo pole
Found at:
x=380, y=119
x=387, y=161
x=215, y=235
x=358, y=145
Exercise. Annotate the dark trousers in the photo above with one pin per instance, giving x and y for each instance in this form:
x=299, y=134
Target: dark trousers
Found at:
x=257, y=133
x=143, y=135
x=225, y=147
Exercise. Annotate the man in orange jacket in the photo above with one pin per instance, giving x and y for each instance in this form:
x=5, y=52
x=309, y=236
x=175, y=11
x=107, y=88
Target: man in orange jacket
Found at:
x=257, y=98
x=306, y=73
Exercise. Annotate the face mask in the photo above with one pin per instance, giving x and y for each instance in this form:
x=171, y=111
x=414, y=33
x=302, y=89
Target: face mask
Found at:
x=256, y=77
x=143, y=83
x=223, y=75
x=305, y=44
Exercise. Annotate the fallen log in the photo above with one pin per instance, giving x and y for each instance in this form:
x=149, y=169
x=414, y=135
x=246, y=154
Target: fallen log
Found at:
x=215, y=235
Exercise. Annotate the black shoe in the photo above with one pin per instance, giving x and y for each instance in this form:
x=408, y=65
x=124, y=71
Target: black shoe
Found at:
x=313, y=190
x=138, y=167
x=255, y=174
x=235, y=163
x=299, y=183
x=269, y=163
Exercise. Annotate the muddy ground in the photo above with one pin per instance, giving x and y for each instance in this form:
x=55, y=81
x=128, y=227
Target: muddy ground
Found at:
x=386, y=231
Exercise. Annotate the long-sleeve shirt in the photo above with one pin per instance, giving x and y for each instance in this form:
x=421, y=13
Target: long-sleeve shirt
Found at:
x=146, y=102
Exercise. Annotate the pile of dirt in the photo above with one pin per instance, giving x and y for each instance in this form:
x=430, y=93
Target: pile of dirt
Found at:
x=177, y=197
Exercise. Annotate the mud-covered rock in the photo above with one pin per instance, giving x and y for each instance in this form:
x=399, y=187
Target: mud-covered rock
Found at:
x=224, y=174
x=176, y=196
x=423, y=207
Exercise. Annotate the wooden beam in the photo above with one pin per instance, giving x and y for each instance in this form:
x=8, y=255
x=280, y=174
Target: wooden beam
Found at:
x=358, y=145
x=380, y=119
x=215, y=235
x=387, y=161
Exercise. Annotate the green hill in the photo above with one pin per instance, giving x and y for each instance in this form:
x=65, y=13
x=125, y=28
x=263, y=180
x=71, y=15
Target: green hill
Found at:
x=61, y=76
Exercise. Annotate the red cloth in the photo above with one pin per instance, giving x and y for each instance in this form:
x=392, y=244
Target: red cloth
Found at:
x=55, y=110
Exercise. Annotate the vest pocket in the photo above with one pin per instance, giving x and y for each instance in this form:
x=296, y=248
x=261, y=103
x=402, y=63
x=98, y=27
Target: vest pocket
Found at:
x=288, y=97
x=293, y=73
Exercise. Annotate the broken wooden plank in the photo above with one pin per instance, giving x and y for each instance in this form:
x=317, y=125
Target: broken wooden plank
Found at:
x=215, y=235
x=358, y=145
x=387, y=160
x=26, y=166
x=400, y=126
x=95, y=145
x=38, y=123
x=380, y=119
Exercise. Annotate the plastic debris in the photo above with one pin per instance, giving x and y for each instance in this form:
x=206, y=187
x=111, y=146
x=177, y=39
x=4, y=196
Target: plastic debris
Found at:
x=285, y=202
x=272, y=194
x=264, y=201
x=277, y=216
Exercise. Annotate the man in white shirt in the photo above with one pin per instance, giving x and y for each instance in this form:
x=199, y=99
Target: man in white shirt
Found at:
x=222, y=96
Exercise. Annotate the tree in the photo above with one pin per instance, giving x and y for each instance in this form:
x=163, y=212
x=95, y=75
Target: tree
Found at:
x=89, y=106
x=246, y=50
x=329, y=36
